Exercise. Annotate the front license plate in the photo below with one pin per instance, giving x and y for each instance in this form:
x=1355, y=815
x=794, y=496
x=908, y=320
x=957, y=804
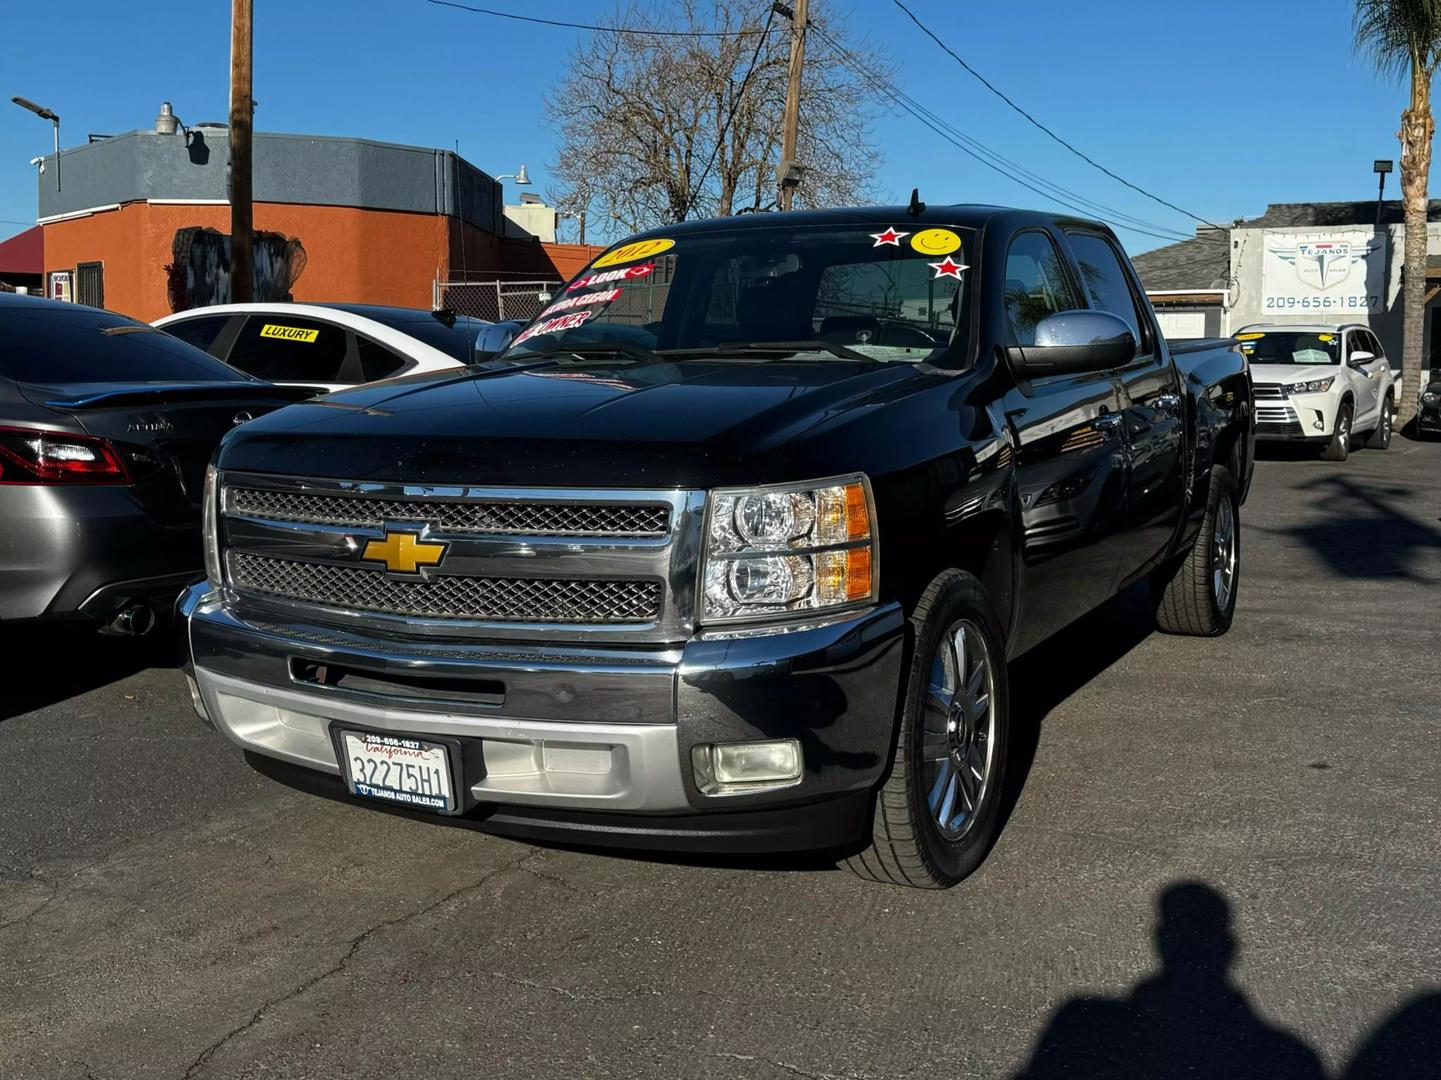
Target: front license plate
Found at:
x=398, y=769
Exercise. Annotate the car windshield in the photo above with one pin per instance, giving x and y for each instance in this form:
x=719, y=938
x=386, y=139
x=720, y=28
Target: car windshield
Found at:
x=1290, y=347
x=896, y=293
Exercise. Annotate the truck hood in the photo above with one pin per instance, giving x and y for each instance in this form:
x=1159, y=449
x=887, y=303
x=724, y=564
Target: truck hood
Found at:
x=564, y=423
x=1285, y=374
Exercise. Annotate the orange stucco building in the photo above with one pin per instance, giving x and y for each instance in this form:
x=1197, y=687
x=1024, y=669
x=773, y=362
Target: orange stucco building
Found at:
x=140, y=226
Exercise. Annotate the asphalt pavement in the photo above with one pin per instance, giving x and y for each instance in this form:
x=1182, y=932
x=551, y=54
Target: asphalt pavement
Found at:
x=1223, y=860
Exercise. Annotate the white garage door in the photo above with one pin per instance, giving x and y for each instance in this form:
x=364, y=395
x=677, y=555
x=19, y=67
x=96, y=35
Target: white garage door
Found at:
x=1179, y=325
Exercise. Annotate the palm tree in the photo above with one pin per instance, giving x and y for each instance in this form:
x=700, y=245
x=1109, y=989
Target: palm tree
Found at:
x=1402, y=36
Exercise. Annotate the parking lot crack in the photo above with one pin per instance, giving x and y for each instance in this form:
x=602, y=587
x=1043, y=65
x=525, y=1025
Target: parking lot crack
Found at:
x=352, y=947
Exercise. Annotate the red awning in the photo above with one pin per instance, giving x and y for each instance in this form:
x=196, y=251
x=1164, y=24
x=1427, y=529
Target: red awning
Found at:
x=23, y=253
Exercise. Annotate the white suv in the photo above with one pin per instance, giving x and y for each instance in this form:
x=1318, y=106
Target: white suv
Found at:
x=1321, y=384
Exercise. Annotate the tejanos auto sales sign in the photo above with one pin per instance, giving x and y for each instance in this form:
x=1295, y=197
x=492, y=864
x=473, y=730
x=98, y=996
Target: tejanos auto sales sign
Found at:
x=1332, y=272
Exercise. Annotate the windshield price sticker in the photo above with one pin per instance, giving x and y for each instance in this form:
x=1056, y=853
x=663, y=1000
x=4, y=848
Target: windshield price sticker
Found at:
x=630, y=272
x=552, y=326
x=289, y=333
x=604, y=297
x=640, y=249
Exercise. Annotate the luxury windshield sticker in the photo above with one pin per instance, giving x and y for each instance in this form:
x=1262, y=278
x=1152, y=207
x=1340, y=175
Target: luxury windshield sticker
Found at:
x=1249, y=337
x=935, y=242
x=551, y=326
x=629, y=273
x=640, y=249
x=948, y=267
x=289, y=333
x=888, y=238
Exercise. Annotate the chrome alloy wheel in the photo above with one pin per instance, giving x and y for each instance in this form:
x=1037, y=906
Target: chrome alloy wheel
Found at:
x=1223, y=553
x=1343, y=430
x=958, y=738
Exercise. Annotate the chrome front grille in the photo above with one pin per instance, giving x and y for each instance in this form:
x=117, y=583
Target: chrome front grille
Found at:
x=1269, y=392
x=446, y=596
x=496, y=518
x=499, y=563
x=1275, y=414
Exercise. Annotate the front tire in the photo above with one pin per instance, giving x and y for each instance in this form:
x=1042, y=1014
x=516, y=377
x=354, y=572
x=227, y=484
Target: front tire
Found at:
x=1197, y=596
x=1380, y=439
x=1340, y=445
x=938, y=811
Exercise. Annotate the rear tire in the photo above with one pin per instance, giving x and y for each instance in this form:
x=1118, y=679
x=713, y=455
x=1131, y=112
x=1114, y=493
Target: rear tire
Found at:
x=1197, y=595
x=934, y=820
x=1340, y=445
x=1380, y=439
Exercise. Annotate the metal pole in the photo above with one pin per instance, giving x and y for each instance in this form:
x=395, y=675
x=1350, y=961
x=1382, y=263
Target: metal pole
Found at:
x=242, y=115
x=1380, y=194
x=799, y=21
x=56, y=126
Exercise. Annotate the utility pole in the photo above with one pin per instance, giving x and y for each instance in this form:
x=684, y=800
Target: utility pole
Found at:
x=242, y=115
x=790, y=171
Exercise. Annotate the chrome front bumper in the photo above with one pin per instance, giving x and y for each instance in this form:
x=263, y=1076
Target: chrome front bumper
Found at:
x=603, y=729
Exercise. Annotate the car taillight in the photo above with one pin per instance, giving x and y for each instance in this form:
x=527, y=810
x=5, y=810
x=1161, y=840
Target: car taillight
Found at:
x=33, y=456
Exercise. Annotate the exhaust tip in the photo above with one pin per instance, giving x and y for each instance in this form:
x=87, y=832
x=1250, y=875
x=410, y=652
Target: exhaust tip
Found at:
x=137, y=620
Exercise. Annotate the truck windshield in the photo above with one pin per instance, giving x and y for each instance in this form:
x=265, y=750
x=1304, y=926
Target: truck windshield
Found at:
x=896, y=293
x=1290, y=347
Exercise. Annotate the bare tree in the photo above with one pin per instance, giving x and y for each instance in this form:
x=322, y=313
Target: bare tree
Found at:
x=660, y=129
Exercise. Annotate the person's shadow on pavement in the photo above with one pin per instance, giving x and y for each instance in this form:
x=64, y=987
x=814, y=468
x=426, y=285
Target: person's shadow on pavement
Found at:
x=1187, y=1021
x=1406, y=1047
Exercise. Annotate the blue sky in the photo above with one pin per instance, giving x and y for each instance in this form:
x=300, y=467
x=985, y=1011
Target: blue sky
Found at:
x=1220, y=108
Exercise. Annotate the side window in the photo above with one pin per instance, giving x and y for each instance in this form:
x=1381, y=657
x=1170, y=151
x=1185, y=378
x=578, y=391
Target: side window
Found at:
x=1370, y=344
x=376, y=361
x=282, y=348
x=1105, y=280
x=1036, y=285
x=200, y=331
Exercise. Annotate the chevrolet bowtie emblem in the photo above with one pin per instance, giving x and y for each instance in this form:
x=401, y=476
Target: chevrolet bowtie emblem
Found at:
x=403, y=552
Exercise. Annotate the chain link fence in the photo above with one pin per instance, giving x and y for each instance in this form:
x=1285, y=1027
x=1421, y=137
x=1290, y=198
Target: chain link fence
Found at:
x=495, y=300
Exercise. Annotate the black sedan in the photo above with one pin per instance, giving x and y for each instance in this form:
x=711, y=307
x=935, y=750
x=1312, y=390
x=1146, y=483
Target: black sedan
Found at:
x=106, y=428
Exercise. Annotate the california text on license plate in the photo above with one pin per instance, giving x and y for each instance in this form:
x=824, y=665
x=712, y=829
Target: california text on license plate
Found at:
x=397, y=769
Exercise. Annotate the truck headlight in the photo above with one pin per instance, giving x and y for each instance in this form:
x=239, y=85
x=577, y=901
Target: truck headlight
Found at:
x=1431, y=397
x=1315, y=386
x=210, y=525
x=789, y=548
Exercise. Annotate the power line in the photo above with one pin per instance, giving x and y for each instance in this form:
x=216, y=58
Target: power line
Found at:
x=596, y=28
x=735, y=106
x=1084, y=157
x=984, y=154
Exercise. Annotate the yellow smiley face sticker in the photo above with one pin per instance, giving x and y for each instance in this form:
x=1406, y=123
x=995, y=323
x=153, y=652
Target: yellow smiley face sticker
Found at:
x=935, y=242
x=640, y=249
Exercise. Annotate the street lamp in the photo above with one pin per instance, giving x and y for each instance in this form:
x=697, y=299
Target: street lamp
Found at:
x=45, y=114
x=1380, y=168
x=522, y=178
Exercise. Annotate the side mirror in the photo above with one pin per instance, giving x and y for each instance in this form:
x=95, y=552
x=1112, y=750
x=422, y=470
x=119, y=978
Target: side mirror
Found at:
x=1360, y=356
x=1070, y=342
x=494, y=340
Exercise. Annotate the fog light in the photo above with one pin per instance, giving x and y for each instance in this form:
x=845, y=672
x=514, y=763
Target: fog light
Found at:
x=730, y=768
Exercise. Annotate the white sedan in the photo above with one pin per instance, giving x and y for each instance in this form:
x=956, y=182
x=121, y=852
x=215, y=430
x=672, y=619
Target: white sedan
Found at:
x=328, y=346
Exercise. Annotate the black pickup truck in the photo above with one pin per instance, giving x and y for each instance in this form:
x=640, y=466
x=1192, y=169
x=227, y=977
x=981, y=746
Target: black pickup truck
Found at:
x=730, y=547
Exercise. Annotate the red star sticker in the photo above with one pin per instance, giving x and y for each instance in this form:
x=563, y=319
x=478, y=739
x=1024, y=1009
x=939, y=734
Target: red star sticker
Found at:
x=948, y=267
x=890, y=236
